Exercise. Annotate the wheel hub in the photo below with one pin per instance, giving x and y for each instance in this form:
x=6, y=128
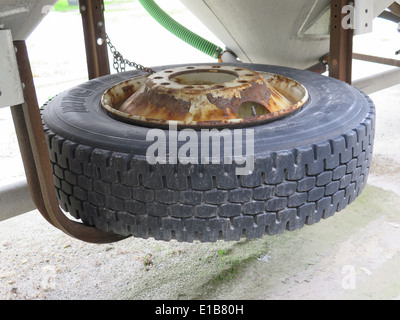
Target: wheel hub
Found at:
x=204, y=96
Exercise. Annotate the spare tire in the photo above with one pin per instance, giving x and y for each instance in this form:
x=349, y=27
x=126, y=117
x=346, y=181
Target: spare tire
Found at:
x=307, y=166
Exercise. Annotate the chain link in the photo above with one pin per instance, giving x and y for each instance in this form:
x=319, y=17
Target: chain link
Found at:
x=120, y=63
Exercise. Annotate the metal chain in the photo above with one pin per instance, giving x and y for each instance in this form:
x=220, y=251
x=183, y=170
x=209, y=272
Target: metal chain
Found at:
x=120, y=63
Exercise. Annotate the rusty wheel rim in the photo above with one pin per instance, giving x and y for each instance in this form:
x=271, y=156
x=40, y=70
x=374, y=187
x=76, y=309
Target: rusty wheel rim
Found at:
x=204, y=97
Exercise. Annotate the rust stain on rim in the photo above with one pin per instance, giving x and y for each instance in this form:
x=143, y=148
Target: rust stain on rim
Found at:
x=204, y=97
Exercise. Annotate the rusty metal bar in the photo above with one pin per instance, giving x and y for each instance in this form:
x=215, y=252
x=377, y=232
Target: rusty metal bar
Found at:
x=375, y=59
x=387, y=15
x=395, y=8
x=341, y=44
x=92, y=12
x=319, y=67
x=27, y=158
x=37, y=163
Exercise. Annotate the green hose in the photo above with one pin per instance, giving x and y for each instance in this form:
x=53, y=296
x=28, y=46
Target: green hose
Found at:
x=180, y=31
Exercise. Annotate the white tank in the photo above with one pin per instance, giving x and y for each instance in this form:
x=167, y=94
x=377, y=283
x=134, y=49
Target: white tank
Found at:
x=23, y=16
x=293, y=33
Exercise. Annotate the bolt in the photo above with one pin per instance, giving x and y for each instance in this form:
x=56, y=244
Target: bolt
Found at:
x=254, y=110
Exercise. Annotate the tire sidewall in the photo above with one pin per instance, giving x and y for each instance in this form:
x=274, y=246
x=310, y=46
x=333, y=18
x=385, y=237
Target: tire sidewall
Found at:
x=334, y=108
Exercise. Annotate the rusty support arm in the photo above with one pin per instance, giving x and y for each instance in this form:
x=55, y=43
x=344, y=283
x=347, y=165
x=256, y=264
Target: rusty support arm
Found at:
x=31, y=138
x=380, y=60
x=92, y=12
x=395, y=8
x=341, y=44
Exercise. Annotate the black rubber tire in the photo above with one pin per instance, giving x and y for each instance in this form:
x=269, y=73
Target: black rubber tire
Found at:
x=307, y=167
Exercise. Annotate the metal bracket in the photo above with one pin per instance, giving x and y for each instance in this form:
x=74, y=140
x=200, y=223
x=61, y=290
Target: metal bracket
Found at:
x=11, y=92
x=363, y=16
x=359, y=15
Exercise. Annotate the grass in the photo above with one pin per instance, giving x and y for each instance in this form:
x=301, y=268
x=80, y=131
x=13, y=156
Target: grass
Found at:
x=63, y=5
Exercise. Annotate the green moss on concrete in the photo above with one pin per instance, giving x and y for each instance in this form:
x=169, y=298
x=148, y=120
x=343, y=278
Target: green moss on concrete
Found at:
x=234, y=270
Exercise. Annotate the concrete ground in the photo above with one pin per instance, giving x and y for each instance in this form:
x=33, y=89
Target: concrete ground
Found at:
x=353, y=255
